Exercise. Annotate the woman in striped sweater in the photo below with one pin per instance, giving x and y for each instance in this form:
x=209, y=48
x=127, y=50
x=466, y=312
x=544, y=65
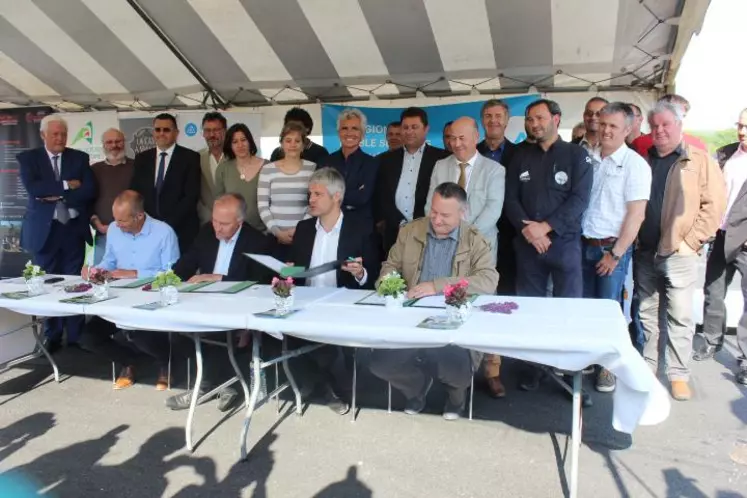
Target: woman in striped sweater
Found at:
x=282, y=191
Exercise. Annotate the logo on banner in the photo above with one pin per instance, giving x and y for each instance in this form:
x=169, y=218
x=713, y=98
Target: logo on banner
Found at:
x=190, y=129
x=85, y=133
x=8, y=120
x=142, y=140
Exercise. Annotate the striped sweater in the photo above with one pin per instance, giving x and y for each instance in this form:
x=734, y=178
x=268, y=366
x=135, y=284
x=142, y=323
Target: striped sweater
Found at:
x=282, y=199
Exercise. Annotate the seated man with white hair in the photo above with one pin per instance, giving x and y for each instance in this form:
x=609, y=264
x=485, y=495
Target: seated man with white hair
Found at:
x=332, y=236
x=357, y=168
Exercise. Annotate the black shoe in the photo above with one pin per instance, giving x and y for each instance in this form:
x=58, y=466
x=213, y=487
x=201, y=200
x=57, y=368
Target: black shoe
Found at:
x=531, y=380
x=705, y=352
x=335, y=404
x=742, y=376
x=52, y=345
x=226, y=399
x=181, y=401
x=455, y=403
x=417, y=404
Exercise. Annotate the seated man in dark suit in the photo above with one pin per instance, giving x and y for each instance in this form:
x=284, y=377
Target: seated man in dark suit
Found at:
x=218, y=255
x=61, y=189
x=404, y=177
x=169, y=178
x=358, y=168
x=329, y=236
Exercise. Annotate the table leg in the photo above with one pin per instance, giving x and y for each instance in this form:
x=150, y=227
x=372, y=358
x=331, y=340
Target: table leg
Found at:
x=291, y=380
x=355, y=382
x=575, y=433
x=256, y=372
x=236, y=369
x=35, y=329
x=195, y=392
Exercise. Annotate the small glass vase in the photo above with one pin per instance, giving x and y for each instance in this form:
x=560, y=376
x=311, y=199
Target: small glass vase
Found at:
x=169, y=295
x=35, y=286
x=394, y=302
x=101, y=291
x=283, y=305
x=459, y=314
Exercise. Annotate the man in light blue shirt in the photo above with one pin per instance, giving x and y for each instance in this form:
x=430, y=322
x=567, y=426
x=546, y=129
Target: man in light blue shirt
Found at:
x=137, y=246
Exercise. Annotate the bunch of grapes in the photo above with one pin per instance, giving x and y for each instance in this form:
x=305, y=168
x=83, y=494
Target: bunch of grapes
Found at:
x=504, y=308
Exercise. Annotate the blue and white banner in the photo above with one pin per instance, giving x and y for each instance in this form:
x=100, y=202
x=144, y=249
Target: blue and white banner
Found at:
x=374, y=142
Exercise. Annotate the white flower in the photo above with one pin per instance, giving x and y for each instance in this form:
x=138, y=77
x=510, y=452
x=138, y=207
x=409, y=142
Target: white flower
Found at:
x=36, y=269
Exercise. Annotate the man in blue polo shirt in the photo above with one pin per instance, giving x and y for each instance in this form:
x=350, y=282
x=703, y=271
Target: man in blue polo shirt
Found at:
x=137, y=246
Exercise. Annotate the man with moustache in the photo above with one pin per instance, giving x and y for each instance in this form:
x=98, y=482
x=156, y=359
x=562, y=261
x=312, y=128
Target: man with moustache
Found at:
x=113, y=176
x=214, y=126
x=394, y=135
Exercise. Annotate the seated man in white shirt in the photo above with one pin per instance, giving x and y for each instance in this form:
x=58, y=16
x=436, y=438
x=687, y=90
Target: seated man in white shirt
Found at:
x=328, y=237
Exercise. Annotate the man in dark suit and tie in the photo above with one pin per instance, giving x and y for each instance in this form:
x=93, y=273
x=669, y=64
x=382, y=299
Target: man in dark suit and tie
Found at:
x=357, y=168
x=330, y=236
x=168, y=178
x=218, y=255
x=404, y=177
x=61, y=189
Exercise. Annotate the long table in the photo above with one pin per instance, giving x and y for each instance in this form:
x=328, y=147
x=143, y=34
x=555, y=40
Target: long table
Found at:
x=567, y=334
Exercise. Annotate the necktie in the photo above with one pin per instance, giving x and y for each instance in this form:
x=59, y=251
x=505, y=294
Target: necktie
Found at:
x=63, y=215
x=159, y=180
x=463, y=175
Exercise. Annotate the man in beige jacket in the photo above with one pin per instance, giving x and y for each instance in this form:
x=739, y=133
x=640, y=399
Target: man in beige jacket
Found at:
x=431, y=253
x=687, y=202
x=214, y=132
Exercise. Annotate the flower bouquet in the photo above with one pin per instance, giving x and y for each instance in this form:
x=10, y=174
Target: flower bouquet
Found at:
x=165, y=283
x=458, y=304
x=99, y=278
x=282, y=289
x=392, y=287
x=34, y=276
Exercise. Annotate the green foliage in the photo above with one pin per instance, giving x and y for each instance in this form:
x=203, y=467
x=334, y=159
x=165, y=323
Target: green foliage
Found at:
x=392, y=285
x=165, y=279
x=716, y=139
x=31, y=270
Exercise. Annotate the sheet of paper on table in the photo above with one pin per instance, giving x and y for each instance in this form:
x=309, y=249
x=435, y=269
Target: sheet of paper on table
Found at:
x=224, y=287
x=436, y=301
x=130, y=283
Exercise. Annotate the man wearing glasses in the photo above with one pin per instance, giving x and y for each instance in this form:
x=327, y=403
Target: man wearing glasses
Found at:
x=728, y=254
x=590, y=141
x=113, y=176
x=168, y=178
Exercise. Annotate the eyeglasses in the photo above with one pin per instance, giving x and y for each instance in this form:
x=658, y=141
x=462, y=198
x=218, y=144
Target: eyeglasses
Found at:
x=741, y=126
x=164, y=130
x=114, y=142
x=591, y=114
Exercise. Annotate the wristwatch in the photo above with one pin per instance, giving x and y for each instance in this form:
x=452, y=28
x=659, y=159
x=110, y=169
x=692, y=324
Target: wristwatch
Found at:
x=614, y=256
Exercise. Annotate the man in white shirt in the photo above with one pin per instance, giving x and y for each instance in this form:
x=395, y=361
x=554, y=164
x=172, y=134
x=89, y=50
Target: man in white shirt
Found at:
x=617, y=206
x=728, y=255
x=327, y=238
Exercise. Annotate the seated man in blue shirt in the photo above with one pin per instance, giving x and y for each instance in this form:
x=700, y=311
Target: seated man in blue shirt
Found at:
x=137, y=246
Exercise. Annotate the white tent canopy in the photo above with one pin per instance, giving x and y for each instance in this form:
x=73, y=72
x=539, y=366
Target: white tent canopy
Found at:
x=153, y=54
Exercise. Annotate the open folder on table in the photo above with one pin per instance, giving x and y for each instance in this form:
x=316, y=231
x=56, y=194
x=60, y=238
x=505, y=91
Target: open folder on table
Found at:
x=294, y=271
x=436, y=301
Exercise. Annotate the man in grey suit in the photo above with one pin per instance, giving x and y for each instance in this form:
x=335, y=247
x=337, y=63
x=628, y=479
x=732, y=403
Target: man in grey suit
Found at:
x=482, y=178
x=729, y=254
x=214, y=132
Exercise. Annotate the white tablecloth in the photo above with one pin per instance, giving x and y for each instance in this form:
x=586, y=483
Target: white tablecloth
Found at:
x=568, y=334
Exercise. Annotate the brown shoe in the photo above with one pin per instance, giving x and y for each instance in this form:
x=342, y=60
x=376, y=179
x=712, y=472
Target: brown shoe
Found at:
x=163, y=380
x=681, y=390
x=495, y=387
x=126, y=379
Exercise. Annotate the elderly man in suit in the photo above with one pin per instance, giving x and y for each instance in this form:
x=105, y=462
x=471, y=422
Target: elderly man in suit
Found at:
x=61, y=189
x=728, y=255
x=168, y=178
x=404, y=177
x=214, y=132
x=431, y=253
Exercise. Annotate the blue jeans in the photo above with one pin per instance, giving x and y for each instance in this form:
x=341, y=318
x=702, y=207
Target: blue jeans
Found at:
x=607, y=287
